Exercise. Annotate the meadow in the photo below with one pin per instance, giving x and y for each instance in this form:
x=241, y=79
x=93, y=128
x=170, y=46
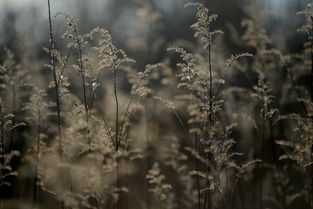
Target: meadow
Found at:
x=86, y=125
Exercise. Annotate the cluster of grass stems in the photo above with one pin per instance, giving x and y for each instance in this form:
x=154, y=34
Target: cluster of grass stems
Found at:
x=83, y=129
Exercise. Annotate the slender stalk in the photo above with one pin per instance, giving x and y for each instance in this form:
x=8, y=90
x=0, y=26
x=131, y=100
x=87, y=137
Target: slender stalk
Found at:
x=197, y=168
x=294, y=85
x=2, y=135
x=311, y=80
x=211, y=87
x=116, y=109
x=116, y=131
x=65, y=65
x=37, y=156
x=105, y=123
x=207, y=198
x=226, y=188
x=182, y=125
x=117, y=183
x=127, y=186
x=85, y=104
x=196, y=143
x=56, y=88
x=222, y=83
x=56, y=83
x=272, y=140
x=262, y=157
x=13, y=119
x=2, y=147
x=127, y=111
x=81, y=67
x=148, y=154
x=91, y=92
x=311, y=190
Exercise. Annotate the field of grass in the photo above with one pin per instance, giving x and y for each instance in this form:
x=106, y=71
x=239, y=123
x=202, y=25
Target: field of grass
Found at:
x=86, y=126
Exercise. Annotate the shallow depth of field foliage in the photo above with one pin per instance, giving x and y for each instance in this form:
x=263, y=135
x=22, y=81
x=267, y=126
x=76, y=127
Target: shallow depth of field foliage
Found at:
x=201, y=106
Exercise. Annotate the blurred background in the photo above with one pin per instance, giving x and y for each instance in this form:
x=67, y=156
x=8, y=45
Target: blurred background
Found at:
x=24, y=22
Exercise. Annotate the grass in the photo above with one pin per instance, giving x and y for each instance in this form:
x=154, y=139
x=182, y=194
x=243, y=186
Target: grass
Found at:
x=222, y=133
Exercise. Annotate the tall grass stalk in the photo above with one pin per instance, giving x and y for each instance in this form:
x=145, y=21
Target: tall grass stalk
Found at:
x=311, y=91
x=262, y=159
x=311, y=117
x=207, y=198
x=197, y=166
x=2, y=133
x=86, y=106
x=37, y=156
x=14, y=111
x=56, y=88
x=56, y=83
x=117, y=184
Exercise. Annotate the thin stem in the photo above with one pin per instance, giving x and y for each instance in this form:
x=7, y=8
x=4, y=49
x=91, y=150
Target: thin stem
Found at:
x=262, y=156
x=56, y=88
x=311, y=80
x=85, y=99
x=197, y=168
x=92, y=92
x=2, y=146
x=127, y=113
x=81, y=67
x=116, y=109
x=65, y=64
x=207, y=193
x=56, y=83
x=126, y=132
x=226, y=190
x=117, y=184
x=105, y=123
x=88, y=131
x=223, y=80
x=182, y=125
x=73, y=85
x=197, y=164
x=116, y=131
x=2, y=135
x=13, y=119
x=311, y=190
x=37, y=156
x=148, y=122
x=293, y=82
x=211, y=86
x=272, y=140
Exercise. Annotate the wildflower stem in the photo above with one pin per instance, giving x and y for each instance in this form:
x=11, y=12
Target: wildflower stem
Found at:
x=116, y=131
x=207, y=192
x=2, y=135
x=37, y=156
x=262, y=156
x=116, y=109
x=14, y=113
x=311, y=80
x=81, y=67
x=311, y=151
x=197, y=167
x=56, y=83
